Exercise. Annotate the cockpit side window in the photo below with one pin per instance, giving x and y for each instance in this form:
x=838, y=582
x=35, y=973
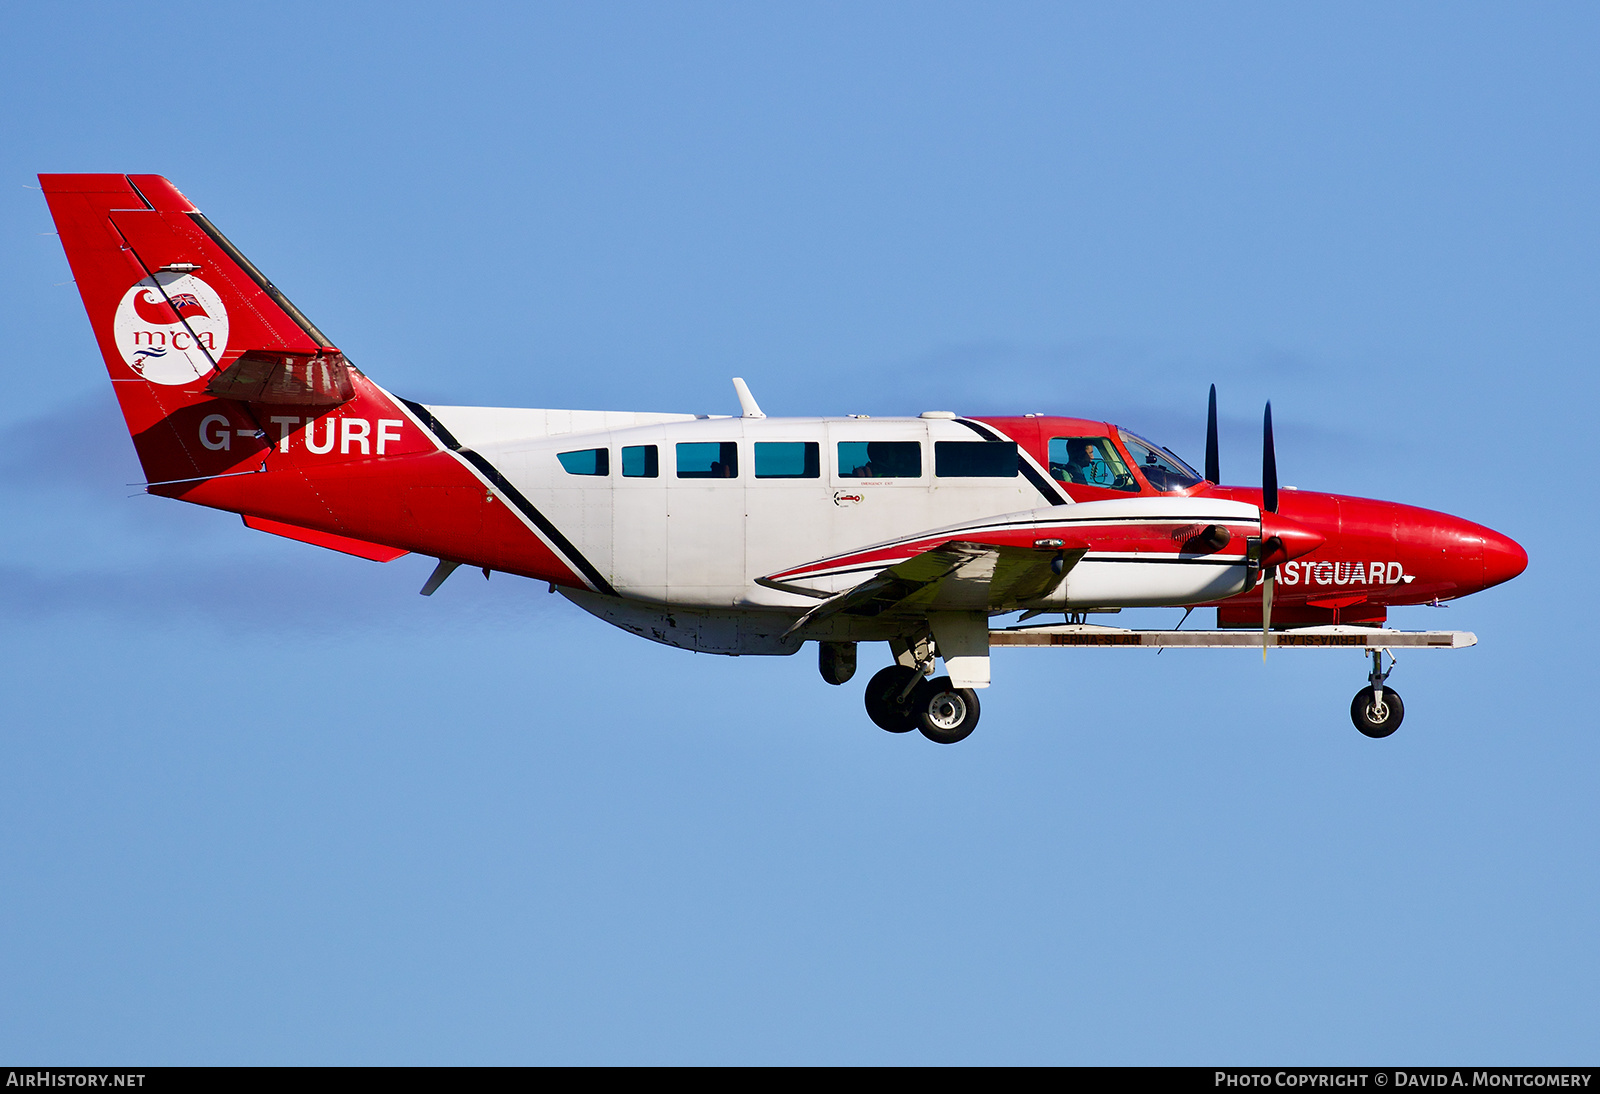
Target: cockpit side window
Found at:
x=1160, y=466
x=1090, y=461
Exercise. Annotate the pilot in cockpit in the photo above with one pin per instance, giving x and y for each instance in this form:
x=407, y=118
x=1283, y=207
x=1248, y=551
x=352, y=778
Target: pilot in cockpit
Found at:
x=1081, y=460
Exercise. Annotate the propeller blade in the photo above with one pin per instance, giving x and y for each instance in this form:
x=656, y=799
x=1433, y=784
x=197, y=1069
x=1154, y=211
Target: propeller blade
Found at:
x=1266, y=609
x=1213, y=463
x=1269, y=465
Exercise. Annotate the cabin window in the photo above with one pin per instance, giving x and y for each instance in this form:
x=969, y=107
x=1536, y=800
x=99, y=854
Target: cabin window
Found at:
x=975, y=459
x=880, y=460
x=1161, y=466
x=788, y=460
x=587, y=461
x=1090, y=461
x=639, y=461
x=708, y=460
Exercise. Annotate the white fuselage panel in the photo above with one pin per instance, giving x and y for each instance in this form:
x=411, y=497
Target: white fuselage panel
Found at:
x=702, y=542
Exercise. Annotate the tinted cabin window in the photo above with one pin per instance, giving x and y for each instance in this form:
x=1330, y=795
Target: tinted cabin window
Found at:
x=788, y=459
x=975, y=459
x=880, y=459
x=708, y=460
x=588, y=461
x=639, y=461
x=1090, y=461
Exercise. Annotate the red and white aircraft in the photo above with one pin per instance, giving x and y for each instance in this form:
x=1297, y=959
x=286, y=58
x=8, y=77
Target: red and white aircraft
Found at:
x=737, y=535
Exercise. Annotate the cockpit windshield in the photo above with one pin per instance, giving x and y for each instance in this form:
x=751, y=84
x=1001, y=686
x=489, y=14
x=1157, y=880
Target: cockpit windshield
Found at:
x=1161, y=466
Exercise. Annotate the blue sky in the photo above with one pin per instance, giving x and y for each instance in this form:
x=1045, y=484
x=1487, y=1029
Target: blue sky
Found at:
x=261, y=803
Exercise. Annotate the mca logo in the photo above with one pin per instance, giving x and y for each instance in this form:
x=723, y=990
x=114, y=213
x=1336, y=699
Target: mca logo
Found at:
x=171, y=328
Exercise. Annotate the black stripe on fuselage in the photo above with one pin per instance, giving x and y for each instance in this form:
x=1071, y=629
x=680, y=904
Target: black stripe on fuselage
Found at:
x=433, y=425
x=1044, y=524
x=1040, y=482
x=1145, y=560
x=526, y=507
x=1033, y=522
x=1164, y=560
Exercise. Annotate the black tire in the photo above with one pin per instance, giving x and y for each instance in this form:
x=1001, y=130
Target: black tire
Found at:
x=945, y=714
x=1377, y=723
x=883, y=699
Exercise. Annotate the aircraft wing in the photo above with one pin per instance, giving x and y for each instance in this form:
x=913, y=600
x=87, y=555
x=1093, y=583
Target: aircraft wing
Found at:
x=956, y=576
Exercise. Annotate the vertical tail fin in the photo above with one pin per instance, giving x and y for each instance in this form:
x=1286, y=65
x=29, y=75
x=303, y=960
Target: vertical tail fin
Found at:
x=236, y=401
x=174, y=307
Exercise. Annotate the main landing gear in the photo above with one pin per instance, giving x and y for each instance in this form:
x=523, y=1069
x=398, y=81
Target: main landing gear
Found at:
x=1376, y=710
x=900, y=699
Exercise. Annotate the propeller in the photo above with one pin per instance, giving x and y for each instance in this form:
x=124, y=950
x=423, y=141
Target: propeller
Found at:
x=1213, y=464
x=1269, y=465
x=1282, y=539
x=1269, y=504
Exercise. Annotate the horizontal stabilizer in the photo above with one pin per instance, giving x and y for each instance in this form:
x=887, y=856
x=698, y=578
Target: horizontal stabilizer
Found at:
x=376, y=552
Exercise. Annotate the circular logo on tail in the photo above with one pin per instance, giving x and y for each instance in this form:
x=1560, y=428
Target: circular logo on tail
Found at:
x=170, y=328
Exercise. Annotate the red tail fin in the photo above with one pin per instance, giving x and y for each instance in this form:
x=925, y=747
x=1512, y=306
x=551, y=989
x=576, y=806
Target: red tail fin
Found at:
x=236, y=401
x=174, y=305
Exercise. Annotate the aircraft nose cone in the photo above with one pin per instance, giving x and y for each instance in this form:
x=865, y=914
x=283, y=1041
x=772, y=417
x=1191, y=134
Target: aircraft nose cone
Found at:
x=1503, y=558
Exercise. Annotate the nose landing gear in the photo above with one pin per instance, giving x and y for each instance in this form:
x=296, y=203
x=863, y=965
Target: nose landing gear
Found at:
x=1376, y=710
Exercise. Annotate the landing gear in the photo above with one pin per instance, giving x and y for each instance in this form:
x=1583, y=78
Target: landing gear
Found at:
x=945, y=714
x=889, y=698
x=900, y=700
x=1374, y=716
x=1376, y=710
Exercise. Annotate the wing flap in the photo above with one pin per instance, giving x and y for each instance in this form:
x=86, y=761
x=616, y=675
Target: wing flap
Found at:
x=958, y=576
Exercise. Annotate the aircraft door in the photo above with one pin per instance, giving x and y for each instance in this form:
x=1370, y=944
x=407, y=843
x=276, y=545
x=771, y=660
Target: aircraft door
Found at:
x=705, y=497
x=879, y=472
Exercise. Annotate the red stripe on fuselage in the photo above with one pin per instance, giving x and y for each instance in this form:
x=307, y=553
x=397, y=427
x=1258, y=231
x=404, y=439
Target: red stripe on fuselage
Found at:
x=428, y=503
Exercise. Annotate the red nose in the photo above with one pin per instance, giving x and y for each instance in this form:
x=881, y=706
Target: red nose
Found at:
x=1503, y=558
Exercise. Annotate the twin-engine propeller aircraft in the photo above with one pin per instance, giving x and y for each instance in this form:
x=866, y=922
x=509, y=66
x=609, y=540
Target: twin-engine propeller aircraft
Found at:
x=740, y=535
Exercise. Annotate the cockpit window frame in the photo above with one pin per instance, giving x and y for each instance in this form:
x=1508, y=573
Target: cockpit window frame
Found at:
x=1123, y=436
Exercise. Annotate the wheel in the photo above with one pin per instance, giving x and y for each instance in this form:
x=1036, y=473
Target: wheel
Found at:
x=883, y=699
x=1373, y=720
x=945, y=714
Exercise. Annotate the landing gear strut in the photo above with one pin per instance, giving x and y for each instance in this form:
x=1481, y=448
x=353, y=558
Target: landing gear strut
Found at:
x=1376, y=710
